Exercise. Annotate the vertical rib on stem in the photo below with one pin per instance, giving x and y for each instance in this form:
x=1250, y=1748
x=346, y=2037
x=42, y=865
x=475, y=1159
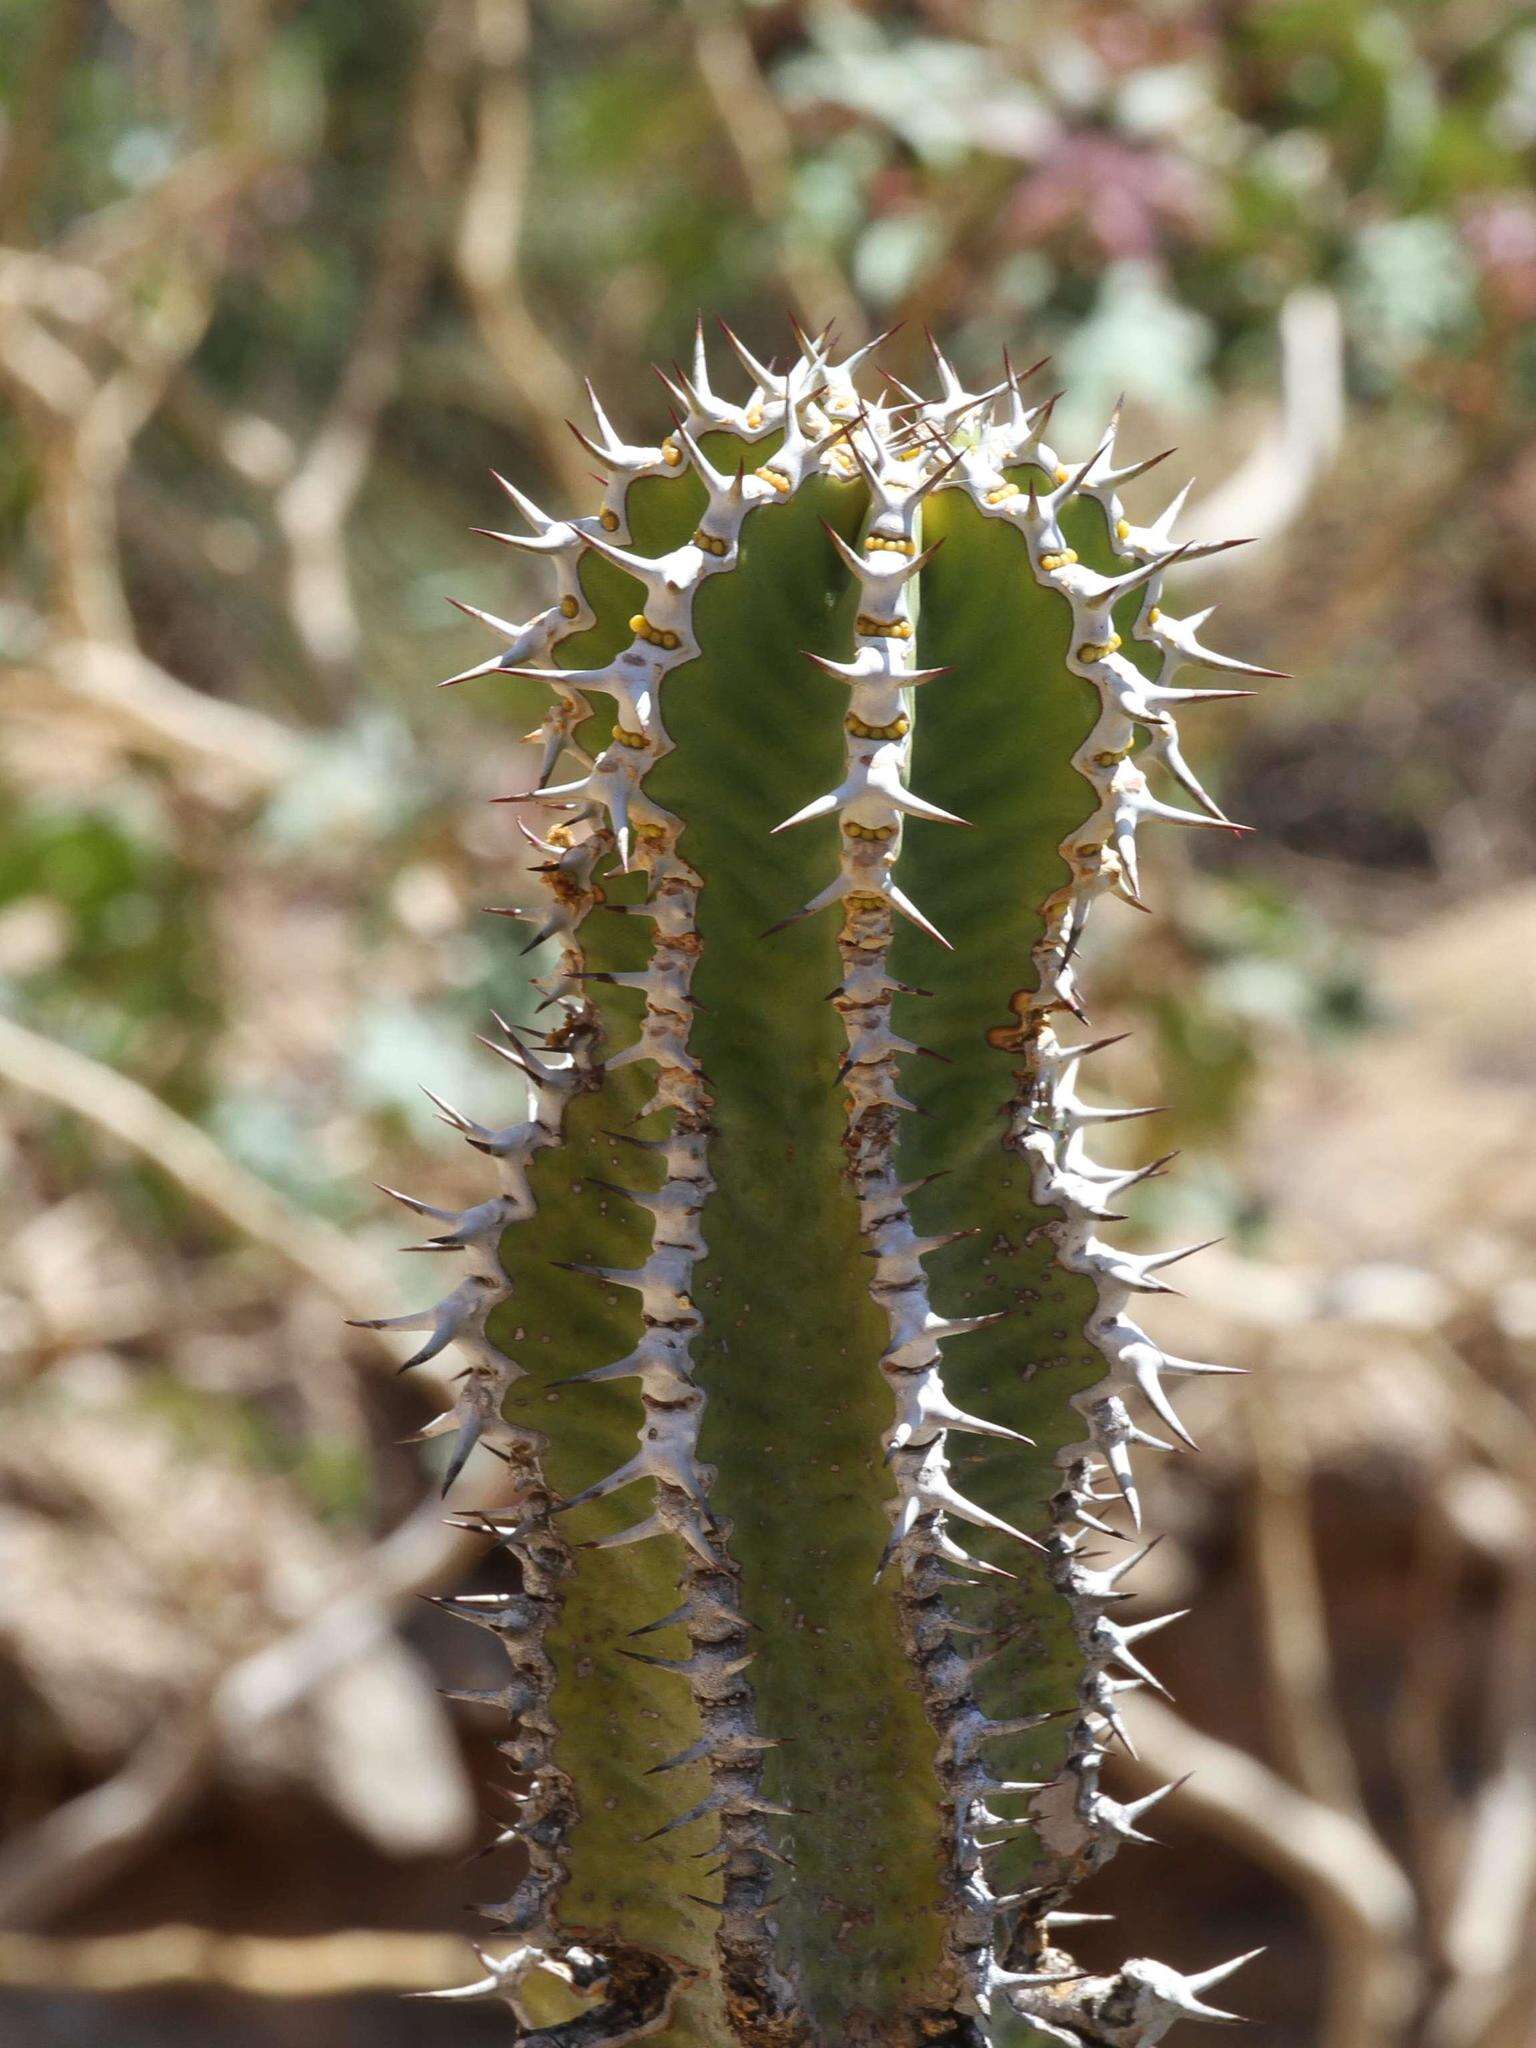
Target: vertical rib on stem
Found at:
x=759, y=1996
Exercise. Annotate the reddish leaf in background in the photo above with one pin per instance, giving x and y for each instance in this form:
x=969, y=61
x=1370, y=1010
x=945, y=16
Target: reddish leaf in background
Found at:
x=1128, y=198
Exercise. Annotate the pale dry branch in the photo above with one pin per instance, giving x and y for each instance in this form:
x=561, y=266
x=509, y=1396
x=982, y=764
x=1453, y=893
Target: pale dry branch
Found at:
x=349, y=1960
x=82, y=420
x=314, y=503
x=54, y=393
x=1418, y=1725
x=84, y=425
x=487, y=244
x=1268, y=493
x=136, y=1118
x=1473, y=1861
x=753, y=121
x=91, y=1838
x=1361, y=1903
x=1293, y=1623
x=149, y=710
x=84, y=1843
x=1488, y=1940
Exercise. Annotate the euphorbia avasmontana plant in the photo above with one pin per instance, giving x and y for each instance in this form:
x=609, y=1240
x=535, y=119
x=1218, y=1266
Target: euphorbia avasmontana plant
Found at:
x=794, y=1316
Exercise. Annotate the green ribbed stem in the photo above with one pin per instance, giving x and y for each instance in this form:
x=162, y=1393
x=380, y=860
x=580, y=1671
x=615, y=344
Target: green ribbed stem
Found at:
x=845, y=1638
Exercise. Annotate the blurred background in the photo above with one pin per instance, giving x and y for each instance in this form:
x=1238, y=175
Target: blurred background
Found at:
x=278, y=283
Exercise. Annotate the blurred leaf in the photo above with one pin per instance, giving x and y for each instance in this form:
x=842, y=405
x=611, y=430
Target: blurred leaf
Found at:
x=1412, y=287
x=892, y=254
x=358, y=786
x=132, y=979
x=397, y=1048
x=1140, y=340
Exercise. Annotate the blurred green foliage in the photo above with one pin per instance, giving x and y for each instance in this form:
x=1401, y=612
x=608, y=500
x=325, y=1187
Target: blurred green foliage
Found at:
x=109, y=940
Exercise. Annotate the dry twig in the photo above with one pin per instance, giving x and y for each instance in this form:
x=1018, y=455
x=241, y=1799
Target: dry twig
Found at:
x=487, y=246
x=1361, y=1902
x=351, y=1959
x=754, y=124
x=315, y=501
x=88, y=1840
